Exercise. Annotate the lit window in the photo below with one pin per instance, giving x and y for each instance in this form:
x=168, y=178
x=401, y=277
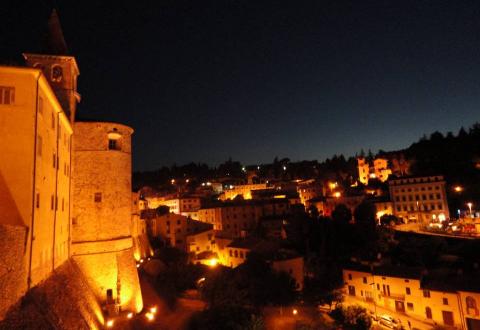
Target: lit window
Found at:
x=7, y=95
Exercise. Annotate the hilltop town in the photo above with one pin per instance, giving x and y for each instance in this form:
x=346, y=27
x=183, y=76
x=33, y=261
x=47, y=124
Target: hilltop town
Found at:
x=376, y=240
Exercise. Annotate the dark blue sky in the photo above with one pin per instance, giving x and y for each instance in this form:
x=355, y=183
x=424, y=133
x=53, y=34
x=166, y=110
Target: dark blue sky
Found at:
x=205, y=80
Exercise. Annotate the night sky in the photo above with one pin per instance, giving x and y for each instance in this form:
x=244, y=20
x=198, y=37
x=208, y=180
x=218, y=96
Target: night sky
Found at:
x=206, y=80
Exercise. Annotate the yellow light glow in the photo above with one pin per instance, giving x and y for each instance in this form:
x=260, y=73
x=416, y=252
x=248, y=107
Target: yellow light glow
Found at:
x=458, y=188
x=153, y=309
x=172, y=181
x=295, y=312
x=138, y=265
x=280, y=196
x=212, y=262
x=110, y=323
x=129, y=315
x=337, y=194
x=332, y=185
x=149, y=316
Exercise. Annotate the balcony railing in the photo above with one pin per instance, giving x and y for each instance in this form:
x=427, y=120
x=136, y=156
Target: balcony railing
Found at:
x=394, y=296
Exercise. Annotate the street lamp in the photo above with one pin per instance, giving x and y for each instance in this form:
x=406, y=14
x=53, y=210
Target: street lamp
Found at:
x=470, y=207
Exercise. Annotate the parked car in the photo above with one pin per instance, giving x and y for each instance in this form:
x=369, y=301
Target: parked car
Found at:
x=389, y=322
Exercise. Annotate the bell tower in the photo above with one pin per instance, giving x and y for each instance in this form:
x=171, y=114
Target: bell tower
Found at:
x=59, y=68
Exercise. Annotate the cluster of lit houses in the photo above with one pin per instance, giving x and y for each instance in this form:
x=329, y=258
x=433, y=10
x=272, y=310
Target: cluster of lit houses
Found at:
x=220, y=232
x=65, y=192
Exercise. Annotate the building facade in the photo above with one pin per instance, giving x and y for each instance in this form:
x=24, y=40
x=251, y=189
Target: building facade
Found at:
x=406, y=293
x=419, y=199
x=102, y=242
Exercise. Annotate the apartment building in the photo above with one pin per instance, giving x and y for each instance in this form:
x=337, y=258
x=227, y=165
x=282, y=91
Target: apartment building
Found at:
x=239, y=217
x=411, y=292
x=419, y=199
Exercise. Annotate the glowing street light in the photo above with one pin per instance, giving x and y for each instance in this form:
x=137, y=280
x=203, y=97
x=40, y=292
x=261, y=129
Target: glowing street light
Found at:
x=470, y=207
x=110, y=323
x=149, y=316
x=337, y=194
x=129, y=315
x=153, y=309
x=458, y=189
x=294, y=312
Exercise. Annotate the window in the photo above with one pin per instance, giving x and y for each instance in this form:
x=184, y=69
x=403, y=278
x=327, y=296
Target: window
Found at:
x=351, y=290
x=40, y=105
x=365, y=280
x=39, y=145
x=57, y=73
x=112, y=144
x=407, y=290
x=97, y=197
x=471, y=304
x=350, y=277
x=7, y=95
x=428, y=313
x=410, y=306
x=445, y=301
x=426, y=293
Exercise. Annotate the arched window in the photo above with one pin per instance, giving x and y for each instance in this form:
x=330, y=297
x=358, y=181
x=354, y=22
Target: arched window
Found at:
x=471, y=305
x=57, y=73
x=428, y=312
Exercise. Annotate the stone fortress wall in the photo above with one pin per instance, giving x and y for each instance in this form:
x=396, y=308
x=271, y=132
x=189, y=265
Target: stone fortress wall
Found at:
x=101, y=217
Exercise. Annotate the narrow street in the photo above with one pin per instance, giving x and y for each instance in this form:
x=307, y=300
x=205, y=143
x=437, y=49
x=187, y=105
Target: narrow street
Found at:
x=165, y=318
x=378, y=310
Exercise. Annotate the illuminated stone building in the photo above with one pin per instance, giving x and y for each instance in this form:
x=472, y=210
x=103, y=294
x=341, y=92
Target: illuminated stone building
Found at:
x=310, y=190
x=242, y=190
x=239, y=217
x=173, y=229
x=450, y=300
x=34, y=173
x=379, y=170
x=53, y=171
x=141, y=243
x=186, y=205
x=102, y=212
x=421, y=199
x=281, y=260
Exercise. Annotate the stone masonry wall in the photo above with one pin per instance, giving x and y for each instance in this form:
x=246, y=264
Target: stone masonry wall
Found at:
x=63, y=301
x=13, y=280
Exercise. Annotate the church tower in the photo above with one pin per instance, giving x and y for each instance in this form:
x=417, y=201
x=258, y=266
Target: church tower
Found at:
x=59, y=68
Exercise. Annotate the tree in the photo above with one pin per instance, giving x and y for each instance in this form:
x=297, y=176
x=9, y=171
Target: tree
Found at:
x=162, y=210
x=342, y=214
x=353, y=317
x=313, y=212
x=227, y=317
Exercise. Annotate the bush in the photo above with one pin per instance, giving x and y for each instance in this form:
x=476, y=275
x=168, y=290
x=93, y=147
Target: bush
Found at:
x=352, y=317
x=227, y=318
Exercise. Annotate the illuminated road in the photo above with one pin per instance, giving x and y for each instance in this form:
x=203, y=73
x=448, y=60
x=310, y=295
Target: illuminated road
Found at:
x=415, y=323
